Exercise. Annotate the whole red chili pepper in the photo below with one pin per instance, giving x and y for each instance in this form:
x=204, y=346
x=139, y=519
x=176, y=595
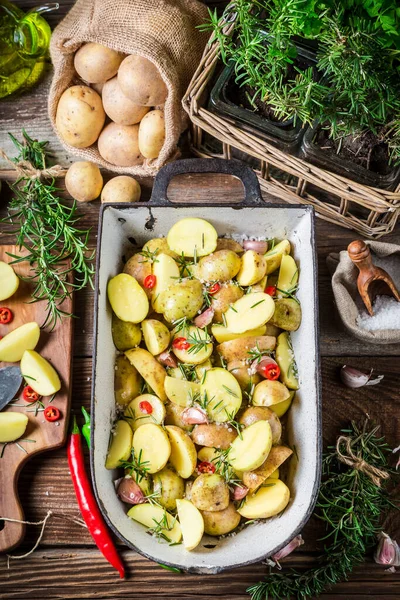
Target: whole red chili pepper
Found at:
x=87, y=502
x=6, y=315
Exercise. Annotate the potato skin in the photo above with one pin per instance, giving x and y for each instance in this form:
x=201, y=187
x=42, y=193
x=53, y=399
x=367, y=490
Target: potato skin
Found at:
x=119, y=107
x=221, y=265
x=214, y=435
x=161, y=245
x=84, y=181
x=210, y=492
x=95, y=63
x=240, y=370
x=262, y=413
x=170, y=486
x=127, y=381
x=125, y=335
x=173, y=416
x=139, y=268
x=80, y=116
x=183, y=299
x=152, y=133
x=228, y=294
x=118, y=145
x=141, y=81
x=222, y=521
x=238, y=349
x=121, y=189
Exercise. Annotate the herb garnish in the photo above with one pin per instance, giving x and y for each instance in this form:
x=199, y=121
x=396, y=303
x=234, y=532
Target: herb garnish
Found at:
x=136, y=466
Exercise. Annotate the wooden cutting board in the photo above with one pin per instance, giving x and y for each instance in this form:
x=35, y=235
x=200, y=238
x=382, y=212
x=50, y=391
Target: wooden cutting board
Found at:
x=55, y=346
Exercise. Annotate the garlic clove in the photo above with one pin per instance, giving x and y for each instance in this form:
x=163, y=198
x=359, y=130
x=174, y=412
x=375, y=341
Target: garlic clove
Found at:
x=288, y=549
x=354, y=378
x=387, y=551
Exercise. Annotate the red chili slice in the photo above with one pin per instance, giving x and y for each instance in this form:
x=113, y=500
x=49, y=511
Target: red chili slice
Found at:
x=145, y=407
x=271, y=371
x=29, y=394
x=214, y=288
x=181, y=343
x=6, y=315
x=51, y=413
x=270, y=290
x=150, y=281
x=206, y=467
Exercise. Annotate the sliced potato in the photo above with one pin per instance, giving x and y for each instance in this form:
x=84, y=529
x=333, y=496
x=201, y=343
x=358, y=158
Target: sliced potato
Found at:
x=223, y=334
x=183, y=453
x=288, y=274
x=221, y=522
x=249, y=312
x=249, y=451
x=14, y=344
x=266, y=501
x=222, y=394
x=156, y=336
x=252, y=269
x=268, y=393
x=121, y=445
x=221, y=265
x=150, y=515
x=287, y=314
x=286, y=361
x=128, y=300
x=183, y=299
x=191, y=522
x=127, y=381
x=166, y=271
x=274, y=256
x=138, y=415
x=12, y=426
x=180, y=391
x=9, y=282
x=199, y=351
x=210, y=492
x=207, y=454
x=239, y=349
x=150, y=369
x=42, y=376
x=214, y=435
x=174, y=416
x=221, y=301
x=151, y=443
x=277, y=456
x=192, y=237
x=125, y=335
x=282, y=407
x=252, y=414
x=169, y=486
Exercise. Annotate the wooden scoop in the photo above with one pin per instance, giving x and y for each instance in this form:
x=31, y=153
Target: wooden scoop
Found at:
x=371, y=280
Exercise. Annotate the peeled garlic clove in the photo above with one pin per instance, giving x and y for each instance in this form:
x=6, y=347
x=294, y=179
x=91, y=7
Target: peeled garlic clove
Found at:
x=387, y=551
x=354, y=378
x=288, y=549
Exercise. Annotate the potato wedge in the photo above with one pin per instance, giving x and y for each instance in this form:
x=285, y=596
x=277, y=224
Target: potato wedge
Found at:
x=12, y=426
x=166, y=271
x=180, y=391
x=192, y=237
x=282, y=407
x=214, y=435
x=249, y=451
x=156, y=336
x=274, y=256
x=170, y=486
x=42, y=376
x=127, y=381
x=9, y=282
x=288, y=274
x=239, y=349
x=151, y=516
x=137, y=411
x=125, y=335
x=252, y=414
x=200, y=349
x=139, y=267
x=266, y=501
x=286, y=361
x=128, y=300
x=14, y=344
x=191, y=523
x=229, y=244
x=222, y=395
x=249, y=312
x=277, y=456
x=252, y=269
x=121, y=445
x=223, y=334
x=210, y=492
x=151, y=443
x=183, y=453
x=183, y=299
x=268, y=393
x=150, y=369
x=221, y=522
x=221, y=265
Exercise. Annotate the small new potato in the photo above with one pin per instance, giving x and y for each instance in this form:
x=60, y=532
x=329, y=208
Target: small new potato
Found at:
x=152, y=134
x=192, y=237
x=119, y=107
x=151, y=443
x=127, y=381
x=121, y=444
x=266, y=501
x=214, y=435
x=42, y=376
x=139, y=268
x=274, y=256
x=141, y=81
x=95, y=63
x=252, y=414
x=241, y=371
x=183, y=299
x=287, y=314
x=80, y=116
x=221, y=301
x=221, y=522
x=150, y=369
x=207, y=454
x=125, y=335
x=119, y=145
x=14, y=344
x=170, y=486
x=253, y=268
x=282, y=407
x=267, y=393
x=12, y=426
x=221, y=265
x=183, y=452
x=229, y=244
x=128, y=300
x=159, y=246
x=84, y=181
x=9, y=282
x=210, y=492
x=137, y=414
x=121, y=189
x=239, y=349
x=156, y=336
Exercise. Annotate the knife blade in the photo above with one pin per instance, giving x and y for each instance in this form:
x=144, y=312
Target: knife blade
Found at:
x=10, y=382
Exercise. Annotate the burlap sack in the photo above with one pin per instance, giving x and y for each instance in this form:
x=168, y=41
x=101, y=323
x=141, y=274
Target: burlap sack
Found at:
x=348, y=301
x=163, y=31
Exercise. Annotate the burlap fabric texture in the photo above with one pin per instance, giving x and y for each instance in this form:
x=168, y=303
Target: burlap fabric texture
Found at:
x=344, y=285
x=163, y=31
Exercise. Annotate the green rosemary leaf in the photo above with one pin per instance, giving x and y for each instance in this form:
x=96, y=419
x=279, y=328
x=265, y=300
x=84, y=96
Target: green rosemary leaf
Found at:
x=257, y=303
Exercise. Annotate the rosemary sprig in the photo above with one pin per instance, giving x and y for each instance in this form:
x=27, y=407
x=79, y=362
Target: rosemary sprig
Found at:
x=47, y=231
x=223, y=467
x=197, y=342
x=290, y=293
x=136, y=466
x=188, y=371
x=256, y=353
x=184, y=266
x=149, y=256
x=182, y=324
x=233, y=423
x=161, y=526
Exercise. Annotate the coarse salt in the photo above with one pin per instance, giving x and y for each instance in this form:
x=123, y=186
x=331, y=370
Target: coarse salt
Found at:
x=386, y=315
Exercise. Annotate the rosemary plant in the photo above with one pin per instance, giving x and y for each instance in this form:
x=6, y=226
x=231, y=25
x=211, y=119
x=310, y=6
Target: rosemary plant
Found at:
x=47, y=230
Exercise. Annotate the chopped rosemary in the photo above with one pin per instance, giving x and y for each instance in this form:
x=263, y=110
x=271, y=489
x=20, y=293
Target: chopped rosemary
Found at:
x=136, y=466
x=149, y=256
x=257, y=303
x=198, y=343
x=223, y=467
x=234, y=309
x=230, y=392
x=256, y=353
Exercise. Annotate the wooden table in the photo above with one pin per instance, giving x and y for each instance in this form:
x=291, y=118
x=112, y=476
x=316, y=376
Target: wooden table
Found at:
x=67, y=565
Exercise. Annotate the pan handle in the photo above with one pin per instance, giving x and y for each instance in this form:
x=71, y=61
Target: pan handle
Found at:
x=236, y=168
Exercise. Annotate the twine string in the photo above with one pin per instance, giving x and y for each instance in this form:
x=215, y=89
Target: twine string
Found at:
x=25, y=169
x=356, y=462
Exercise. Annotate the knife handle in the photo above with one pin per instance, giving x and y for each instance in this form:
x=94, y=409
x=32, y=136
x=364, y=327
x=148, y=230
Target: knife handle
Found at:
x=11, y=534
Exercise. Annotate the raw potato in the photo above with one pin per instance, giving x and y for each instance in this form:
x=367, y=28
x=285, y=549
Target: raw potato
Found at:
x=119, y=145
x=221, y=301
x=156, y=336
x=141, y=81
x=252, y=414
x=253, y=268
x=151, y=443
x=274, y=256
x=152, y=133
x=207, y=454
x=267, y=393
x=240, y=369
x=282, y=407
x=249, y=312
x=183, y=299
x=221, y=522
x=191, y=522
x=286, y=361
x=203, y=368
x=119, y=107
x=95, y=63
x=223, y=334
x=183, y=453
x=14, y=344
x=80, y=116
x=121, y=444
x=84, y=181
x=158, y=246
x=128, y=300
x=223, y=393
x=239, y=349
x=214, y=435
x=288, y=274
x=140, y=268
x=167, y=273
x=169, y=486
x=267, y=501
x=150, y=369
x=229, y=244
x=125, y=335
x=150, y=514
x=174, y=416
x=121, y=189
x=192, y=236
x=180, y=391
x=277, y=456
x=127, y=381
x=221, y=265
x=210, y=492
x=249, y=451
x=287, y=314
x=260, y=285
x=193, y=334
x=9, y=282
x=12, y=426
x=137, y=418
x=42, y=376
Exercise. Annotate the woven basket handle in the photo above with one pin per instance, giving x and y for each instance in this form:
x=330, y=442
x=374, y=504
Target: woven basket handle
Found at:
x=252, y=192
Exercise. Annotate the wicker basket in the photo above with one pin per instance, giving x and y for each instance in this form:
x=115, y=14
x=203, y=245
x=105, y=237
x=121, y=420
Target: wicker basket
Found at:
x=370, y=211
